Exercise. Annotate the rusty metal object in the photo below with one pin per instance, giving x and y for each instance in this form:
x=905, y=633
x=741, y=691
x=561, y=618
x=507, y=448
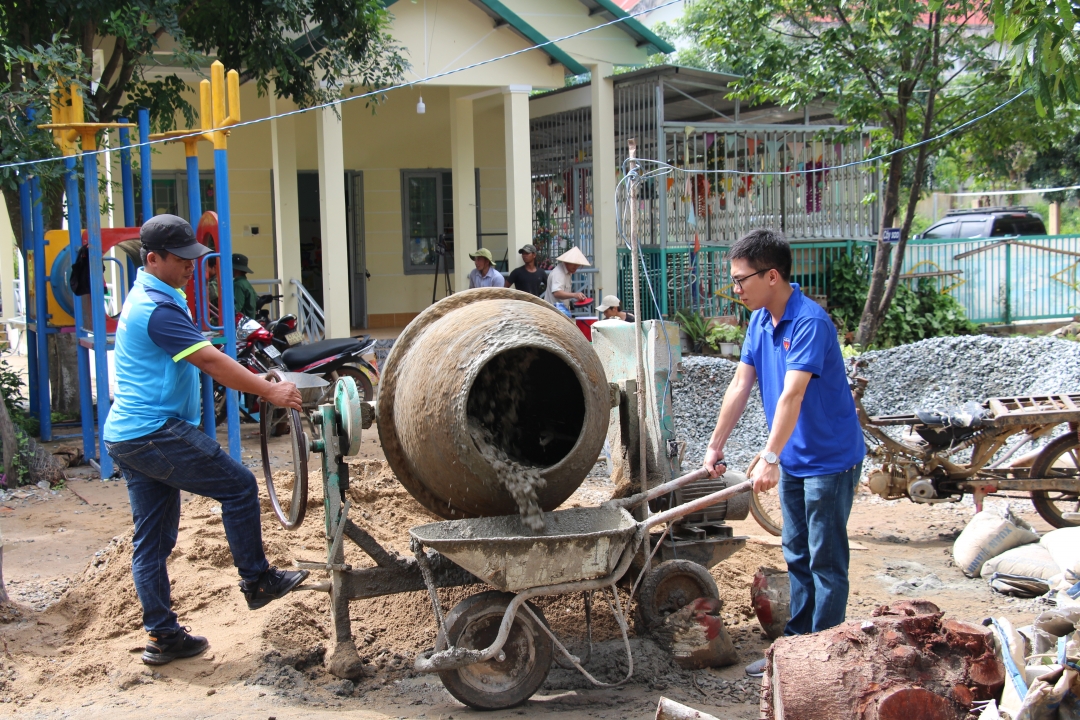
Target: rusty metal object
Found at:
x=436, y=365
x=770, y=596
x=905, y=662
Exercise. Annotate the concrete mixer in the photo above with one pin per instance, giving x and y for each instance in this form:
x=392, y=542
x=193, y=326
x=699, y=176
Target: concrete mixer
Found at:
x=493, y=406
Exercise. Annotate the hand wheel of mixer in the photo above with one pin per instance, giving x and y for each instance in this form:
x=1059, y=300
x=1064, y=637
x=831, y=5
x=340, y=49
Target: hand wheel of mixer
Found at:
x=270, y=416
x=765, y=507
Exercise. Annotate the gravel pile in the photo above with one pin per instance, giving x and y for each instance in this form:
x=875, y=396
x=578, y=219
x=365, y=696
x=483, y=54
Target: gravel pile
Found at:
x=934, y=373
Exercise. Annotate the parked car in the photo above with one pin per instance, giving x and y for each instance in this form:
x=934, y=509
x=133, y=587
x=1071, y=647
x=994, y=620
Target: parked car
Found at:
x=987, y=222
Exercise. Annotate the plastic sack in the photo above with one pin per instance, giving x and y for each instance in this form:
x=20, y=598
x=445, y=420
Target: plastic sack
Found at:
x=988, y=535
x=1064, y=547
x=1055, y=646
x=1032, y=560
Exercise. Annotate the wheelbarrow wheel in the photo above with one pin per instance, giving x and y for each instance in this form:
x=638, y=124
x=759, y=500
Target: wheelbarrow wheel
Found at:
x=669, y=587
x=1059, y=459
x=494, y=685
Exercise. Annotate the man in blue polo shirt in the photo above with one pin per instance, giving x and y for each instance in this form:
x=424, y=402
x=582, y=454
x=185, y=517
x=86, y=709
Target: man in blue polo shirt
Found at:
x=815, y=447
x=152, y=433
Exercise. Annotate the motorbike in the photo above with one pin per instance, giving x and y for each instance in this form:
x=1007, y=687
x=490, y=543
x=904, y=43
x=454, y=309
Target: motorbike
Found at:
x=257, y=349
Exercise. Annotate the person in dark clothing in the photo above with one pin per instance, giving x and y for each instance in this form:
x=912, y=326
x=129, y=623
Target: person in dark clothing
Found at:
x=245, y=299
x=528, y=277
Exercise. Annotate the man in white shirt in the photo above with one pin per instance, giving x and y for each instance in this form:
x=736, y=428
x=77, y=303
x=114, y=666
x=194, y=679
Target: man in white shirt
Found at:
x=559, y=286
x=484, y=274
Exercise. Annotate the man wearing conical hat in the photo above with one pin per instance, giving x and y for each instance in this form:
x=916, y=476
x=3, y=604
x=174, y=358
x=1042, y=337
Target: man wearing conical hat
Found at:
x=560, y=291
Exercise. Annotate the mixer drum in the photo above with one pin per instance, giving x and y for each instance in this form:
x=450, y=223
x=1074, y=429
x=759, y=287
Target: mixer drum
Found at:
x=498, y=364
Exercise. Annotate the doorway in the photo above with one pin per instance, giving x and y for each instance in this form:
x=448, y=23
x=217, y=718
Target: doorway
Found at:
x=307, y=191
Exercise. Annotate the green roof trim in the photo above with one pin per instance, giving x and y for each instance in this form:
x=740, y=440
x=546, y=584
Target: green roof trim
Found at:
x=310, y=42
x=499, y=11
x=644, y=36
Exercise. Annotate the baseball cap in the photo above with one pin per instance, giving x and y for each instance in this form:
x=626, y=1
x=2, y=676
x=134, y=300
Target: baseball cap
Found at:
x=173, y=235
x=482, y=252
x=609, y=301
x=527, y=249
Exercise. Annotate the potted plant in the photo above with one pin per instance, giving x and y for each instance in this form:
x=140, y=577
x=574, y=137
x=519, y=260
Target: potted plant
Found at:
x=725, y=339
x=693, y=330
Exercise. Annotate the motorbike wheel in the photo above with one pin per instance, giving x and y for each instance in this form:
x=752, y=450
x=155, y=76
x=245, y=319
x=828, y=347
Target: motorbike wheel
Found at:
x=363, y=383
x=1059, y=459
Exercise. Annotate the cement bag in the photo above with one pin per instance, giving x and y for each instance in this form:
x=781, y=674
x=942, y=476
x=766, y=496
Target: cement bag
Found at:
x=988, y=535
x=1032, y=560
x=1064, y=547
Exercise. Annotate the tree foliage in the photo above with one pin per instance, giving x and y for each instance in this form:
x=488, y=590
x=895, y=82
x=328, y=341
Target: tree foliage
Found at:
x=1043, y=36
x=308, y=48
x=912, y=68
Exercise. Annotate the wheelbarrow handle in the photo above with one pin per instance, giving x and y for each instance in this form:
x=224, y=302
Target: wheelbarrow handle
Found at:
x=642, y=497
x=699, y=504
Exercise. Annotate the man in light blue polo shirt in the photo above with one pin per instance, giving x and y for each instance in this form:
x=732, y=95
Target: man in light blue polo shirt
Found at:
x=815, y=447
x=152, y=433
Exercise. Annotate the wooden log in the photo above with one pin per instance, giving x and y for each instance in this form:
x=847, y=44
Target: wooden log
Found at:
x=670, y=710
x=905, y=662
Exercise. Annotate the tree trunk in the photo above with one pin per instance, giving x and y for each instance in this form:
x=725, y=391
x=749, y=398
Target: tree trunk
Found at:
x=904, y=663
x=64, y=373
x=868, y=323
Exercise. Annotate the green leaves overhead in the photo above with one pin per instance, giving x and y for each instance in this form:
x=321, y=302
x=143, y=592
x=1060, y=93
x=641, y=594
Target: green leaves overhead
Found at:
x=1045, y=44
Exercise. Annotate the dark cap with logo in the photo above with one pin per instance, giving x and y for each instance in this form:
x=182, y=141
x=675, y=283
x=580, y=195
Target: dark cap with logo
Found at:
x=173, y=235
x=527, y=250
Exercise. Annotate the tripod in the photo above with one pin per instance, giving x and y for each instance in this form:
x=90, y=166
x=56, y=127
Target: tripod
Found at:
x=443, y=248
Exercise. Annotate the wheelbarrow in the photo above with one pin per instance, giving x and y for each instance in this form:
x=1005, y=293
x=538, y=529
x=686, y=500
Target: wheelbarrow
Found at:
x=491, y=655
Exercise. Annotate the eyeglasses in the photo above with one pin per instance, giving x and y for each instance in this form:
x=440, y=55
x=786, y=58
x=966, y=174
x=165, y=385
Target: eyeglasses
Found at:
x=737, y=282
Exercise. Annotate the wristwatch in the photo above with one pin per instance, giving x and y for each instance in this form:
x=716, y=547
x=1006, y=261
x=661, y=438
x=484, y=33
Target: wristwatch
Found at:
x=771, y=458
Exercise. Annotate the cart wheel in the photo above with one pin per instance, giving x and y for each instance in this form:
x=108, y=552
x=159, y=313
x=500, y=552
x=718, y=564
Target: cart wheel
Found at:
x=494, y=685
x=270, y=417
x=765, y=507
x=1059, y=459
x=670, y=586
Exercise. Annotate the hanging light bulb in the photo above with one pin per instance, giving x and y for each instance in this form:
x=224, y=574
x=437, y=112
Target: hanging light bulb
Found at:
x=420, y=107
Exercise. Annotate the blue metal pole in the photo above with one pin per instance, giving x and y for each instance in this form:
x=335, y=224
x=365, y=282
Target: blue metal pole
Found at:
x=97, y=305
x=41, y=313
x=225, y=289
x=145, y=179
x=27, y=217
x=86, y=400
x=194, y=213
x=128, y=187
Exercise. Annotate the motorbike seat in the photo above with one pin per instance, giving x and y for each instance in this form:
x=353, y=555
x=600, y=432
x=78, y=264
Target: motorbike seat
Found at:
x=304, y=355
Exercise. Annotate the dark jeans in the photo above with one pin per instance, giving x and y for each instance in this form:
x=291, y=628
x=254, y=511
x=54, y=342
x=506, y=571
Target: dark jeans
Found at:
x=816, y=511
x=157, y=467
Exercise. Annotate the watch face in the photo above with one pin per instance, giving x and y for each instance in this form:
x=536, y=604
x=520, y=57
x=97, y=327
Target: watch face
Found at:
x=770, y=457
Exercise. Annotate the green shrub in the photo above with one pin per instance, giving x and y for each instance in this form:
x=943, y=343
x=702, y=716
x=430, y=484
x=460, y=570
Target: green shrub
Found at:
x=723, y=333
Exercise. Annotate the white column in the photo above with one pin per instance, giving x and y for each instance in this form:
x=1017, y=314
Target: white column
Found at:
x=7, y=265
x=286, y=207
x=605, y=241
x=463, y=165
x=518, y=169
x=335, y=263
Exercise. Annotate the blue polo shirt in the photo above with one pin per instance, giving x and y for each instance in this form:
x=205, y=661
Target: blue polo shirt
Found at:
x=827, y=438
x=153, y=384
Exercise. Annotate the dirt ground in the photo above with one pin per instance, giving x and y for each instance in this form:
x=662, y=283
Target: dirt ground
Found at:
x=73, y=636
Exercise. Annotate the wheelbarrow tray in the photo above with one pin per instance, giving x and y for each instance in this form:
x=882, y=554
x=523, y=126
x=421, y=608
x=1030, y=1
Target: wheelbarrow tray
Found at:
x=576, y=544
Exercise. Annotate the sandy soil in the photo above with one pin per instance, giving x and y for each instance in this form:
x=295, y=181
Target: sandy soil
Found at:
x=72, y=638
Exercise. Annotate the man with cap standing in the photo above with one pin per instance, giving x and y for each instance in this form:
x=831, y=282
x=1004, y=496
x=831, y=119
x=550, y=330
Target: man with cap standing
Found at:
x=559, y=286
x=484, y=274
x=528, y=277
x=245, y=299
x=152, y=433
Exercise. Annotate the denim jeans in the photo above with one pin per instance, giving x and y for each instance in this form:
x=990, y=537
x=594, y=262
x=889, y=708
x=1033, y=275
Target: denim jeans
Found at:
x=816, y=511
x=157, y=467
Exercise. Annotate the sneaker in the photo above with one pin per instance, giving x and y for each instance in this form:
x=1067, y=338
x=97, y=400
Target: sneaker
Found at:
x=163, y=649
x=756, y=668
x=273, y=585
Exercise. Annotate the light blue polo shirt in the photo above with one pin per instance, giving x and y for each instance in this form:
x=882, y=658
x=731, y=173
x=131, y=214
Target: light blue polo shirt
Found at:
x=827, y=438
x=153, y=384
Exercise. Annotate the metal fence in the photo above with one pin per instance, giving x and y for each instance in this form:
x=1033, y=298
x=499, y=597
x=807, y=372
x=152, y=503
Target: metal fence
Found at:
x=996, y=280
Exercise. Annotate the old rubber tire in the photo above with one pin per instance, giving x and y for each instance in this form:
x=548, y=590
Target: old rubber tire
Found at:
x=670, y=586
x=493, y=685
x=363, y=382
x=1051, y=504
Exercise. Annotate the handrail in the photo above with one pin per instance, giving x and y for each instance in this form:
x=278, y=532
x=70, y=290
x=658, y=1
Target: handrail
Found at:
x=310, y=314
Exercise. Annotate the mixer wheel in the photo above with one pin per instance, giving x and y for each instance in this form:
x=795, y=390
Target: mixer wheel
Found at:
x=765, y=507
x=494, y=685
x=669, y=587
x=270, y=419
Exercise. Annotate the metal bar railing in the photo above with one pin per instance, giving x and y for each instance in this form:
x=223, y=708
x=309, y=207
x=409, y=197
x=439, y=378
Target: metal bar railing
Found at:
x=309, y=313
